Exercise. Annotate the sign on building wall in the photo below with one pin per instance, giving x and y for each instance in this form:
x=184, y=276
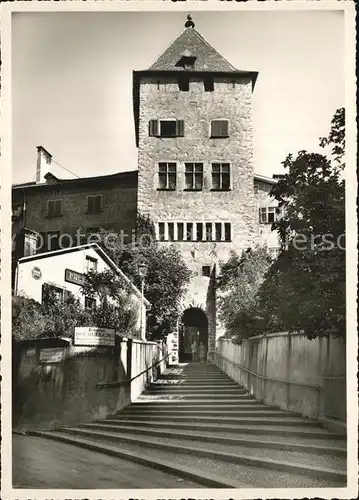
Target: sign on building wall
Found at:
x=36, y=273
x=172, y=345
x=74, y=277
x=51, y=355
x=93, y=336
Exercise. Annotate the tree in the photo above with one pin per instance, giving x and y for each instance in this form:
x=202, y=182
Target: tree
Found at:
x=116, y=308
x=238, y=283
x=304, y=289
x=167, y=276
x=27, y=318
x=51, y=318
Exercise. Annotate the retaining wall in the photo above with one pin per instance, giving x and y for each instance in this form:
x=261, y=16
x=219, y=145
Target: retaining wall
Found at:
x=290, y=371
x=65, y=391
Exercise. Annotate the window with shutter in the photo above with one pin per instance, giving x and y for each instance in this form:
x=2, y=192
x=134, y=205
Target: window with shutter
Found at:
x=94, y=204
x=219, y=128
x=168, y=128
x=54, y=208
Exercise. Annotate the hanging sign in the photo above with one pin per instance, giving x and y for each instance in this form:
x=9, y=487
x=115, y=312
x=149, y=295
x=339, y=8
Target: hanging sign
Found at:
x=74, y=277
x=93, y=336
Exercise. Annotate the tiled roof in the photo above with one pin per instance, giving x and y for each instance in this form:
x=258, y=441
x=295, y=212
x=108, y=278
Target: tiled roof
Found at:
x=191, y=44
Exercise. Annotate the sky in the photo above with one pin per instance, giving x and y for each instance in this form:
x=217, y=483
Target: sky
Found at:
x=72, y=81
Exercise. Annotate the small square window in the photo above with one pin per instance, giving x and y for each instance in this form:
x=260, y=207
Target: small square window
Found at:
x=219, y=128
x=189, y=231
x=161, y=231
x=208, y=231
x=206, y=271
x=218, y=228
x=180, y=231
x=183, y=82
x=208, y=85
x=168, y=128
x=268, y=215
x=90, y=304
x=227, y=231
x=171, y=231
x=91, y=264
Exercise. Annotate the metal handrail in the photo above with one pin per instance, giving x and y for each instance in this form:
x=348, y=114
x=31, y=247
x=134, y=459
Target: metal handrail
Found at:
x=292, y=382
x=119, y=383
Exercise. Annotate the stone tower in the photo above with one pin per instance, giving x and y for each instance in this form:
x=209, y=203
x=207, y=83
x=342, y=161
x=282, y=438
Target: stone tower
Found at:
x=193, y=121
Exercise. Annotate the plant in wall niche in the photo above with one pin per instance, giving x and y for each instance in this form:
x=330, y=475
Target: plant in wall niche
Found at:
x=116, y=306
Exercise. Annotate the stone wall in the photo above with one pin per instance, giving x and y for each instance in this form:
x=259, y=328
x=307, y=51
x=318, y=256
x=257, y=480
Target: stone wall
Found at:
x=229, y=100
x=118, y=208
x=290, y=371
x=66, y=391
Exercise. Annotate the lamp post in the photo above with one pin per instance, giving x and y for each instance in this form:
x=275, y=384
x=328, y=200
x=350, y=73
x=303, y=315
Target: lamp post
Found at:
x=142, y=272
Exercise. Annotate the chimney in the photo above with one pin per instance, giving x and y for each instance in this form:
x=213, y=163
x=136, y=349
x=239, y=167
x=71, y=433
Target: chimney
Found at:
x=43, y=160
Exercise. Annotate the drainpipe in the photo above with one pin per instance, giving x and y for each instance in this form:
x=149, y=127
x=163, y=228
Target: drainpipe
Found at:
x=16, y=278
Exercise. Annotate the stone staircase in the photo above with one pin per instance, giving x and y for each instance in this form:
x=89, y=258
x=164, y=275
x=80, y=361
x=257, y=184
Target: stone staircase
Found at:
x=197, y=424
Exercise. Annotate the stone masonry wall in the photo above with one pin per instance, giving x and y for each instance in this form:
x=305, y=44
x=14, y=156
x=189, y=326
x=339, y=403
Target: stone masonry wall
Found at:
x=118, y=209
x=232, y=101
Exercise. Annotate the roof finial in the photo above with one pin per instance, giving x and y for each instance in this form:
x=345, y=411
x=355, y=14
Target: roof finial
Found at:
x=189, y=23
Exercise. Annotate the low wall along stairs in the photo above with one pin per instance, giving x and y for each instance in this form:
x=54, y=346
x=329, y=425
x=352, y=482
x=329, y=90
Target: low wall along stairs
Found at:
x=196, y=423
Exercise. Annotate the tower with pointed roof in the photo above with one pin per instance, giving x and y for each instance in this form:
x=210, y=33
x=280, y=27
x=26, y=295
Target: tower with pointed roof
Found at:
x=193, y=124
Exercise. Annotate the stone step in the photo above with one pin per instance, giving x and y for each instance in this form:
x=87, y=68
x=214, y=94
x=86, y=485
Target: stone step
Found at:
x=268, y=419
x=198, y=396
x=199, y=385
x=197, y=388
x=330, y=446
x=182, y=411
x=204, y=478
x=265, y=429
x=206, y=403
x=163, y=448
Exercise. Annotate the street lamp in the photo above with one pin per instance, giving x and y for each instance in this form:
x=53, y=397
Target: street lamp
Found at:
x=142, y=272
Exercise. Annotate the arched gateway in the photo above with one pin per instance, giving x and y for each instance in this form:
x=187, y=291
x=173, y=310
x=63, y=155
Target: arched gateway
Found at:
x=193, y=328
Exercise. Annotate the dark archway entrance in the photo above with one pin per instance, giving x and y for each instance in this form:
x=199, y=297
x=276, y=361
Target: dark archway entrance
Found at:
x=194, y=328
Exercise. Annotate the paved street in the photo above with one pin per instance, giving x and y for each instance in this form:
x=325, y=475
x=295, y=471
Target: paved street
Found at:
x=41, y=463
